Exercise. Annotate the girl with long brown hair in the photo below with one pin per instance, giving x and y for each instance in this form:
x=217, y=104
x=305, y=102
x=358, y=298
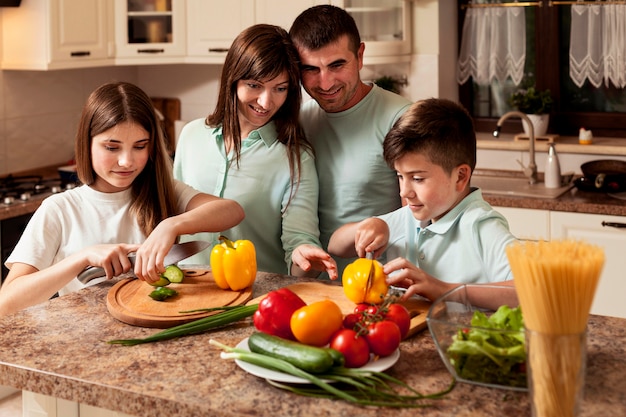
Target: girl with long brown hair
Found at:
x=128, y=202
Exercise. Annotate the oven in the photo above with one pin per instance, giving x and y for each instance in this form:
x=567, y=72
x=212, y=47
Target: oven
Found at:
x=20, y=190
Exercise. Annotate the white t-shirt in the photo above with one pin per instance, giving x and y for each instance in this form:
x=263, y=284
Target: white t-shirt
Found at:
x=75, y=219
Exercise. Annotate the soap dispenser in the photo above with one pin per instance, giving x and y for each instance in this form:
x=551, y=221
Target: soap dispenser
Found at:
x=552, y=175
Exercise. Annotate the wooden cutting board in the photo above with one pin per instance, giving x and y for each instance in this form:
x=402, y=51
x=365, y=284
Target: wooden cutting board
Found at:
x=317, y=291
x=129, y=300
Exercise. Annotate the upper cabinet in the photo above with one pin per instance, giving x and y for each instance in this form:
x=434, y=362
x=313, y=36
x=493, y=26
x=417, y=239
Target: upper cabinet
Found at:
x=208, y=43
x=212, y=25
x=56, y=34
x=385, y=27
x=150, y=31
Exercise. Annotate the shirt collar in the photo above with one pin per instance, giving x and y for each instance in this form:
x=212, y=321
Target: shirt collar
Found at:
x=267, y=133
x=444, y=224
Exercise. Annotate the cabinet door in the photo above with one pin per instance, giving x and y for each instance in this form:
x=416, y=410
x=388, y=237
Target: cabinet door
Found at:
x=150, y=31
x=282, y=12
x=212, y=25
x=56, y=34
x=385, y=27
x=596, y=229
x=527, y=224
x=80, y=30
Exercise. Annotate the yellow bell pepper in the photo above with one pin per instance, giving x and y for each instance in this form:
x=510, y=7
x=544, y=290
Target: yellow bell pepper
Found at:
x=364, y=281
x=233, y=264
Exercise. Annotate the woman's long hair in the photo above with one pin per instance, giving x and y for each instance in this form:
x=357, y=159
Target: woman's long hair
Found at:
x=153, y=197
x=263, y=52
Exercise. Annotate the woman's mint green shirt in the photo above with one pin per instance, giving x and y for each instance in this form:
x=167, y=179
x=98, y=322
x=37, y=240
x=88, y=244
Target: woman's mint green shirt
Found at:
x=261, y=184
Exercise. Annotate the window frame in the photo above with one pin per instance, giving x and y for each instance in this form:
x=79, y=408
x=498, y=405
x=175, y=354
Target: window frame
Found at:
x=566, y=123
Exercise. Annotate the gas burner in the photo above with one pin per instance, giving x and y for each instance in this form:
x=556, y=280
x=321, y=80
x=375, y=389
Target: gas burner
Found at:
x=25, y=188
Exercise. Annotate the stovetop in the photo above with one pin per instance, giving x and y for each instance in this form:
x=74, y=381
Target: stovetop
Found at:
x=24, y=188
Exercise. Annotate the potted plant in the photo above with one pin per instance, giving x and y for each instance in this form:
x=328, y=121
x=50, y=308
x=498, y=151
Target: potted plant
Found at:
x=536, y=104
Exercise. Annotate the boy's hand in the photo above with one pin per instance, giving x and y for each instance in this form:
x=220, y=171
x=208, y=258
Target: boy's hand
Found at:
x=403, y=273
x=372, y=235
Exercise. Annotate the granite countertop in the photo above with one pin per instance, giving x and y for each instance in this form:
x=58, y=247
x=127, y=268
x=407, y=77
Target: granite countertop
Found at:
x=58, y=348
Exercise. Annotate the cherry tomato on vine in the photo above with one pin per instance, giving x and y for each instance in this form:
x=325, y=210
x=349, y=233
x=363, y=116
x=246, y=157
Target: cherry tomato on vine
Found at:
x=361, y=307
x=350, y=320
x=354, y=348
x=399, y=315
x=383, y=337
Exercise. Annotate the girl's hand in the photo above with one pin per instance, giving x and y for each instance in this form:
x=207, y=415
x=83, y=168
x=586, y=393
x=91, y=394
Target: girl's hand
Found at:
x=404, y=274
x=149, y=263
x=113, y=258
x=313, y=258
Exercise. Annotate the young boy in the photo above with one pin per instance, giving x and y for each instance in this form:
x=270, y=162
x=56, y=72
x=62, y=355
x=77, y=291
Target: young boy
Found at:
x=446, y=234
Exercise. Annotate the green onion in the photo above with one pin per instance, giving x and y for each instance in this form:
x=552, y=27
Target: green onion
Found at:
x=364, y=388
x=229, y=315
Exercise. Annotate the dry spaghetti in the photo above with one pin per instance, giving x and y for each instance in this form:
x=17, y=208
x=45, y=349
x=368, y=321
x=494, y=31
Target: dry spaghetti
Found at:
x=556, y=283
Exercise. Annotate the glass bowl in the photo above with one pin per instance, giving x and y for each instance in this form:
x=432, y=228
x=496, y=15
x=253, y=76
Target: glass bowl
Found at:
x=480, y=354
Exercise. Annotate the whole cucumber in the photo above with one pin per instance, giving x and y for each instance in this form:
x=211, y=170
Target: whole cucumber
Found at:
x=308, y=358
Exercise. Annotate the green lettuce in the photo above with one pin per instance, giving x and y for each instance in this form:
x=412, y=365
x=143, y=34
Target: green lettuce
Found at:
x=484, y=354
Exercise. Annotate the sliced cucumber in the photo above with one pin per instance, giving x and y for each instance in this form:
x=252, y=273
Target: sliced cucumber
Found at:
x=173, y=274
x=162, y=293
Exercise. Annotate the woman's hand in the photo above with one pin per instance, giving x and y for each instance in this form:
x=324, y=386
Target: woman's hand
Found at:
x=309, y=260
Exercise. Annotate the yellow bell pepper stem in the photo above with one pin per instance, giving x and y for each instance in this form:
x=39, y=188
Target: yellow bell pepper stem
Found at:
x=233, y=264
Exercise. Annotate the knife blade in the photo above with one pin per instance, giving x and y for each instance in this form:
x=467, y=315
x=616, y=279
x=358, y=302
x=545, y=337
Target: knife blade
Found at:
x=178, y=252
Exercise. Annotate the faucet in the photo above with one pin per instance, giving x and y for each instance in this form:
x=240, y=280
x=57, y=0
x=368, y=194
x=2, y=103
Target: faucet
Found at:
x=529, y=171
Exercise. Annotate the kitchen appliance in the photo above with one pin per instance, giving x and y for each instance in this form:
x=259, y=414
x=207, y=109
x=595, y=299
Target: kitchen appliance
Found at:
x=603, y=175
x=22, y=189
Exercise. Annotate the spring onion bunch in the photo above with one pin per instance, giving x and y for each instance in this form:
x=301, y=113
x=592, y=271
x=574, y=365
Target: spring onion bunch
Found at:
x=362, y=387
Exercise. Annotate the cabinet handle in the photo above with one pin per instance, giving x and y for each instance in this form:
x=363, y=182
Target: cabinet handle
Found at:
x=150, y=51
x=218, y=49
x=614, y=224
x=80, y=53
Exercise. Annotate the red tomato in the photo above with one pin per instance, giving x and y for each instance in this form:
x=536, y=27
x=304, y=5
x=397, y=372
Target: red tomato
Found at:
x=401, y=316
x=361, y=307
x=372, y=310
x=350, y=320
x=355, y=349
x=383, y=337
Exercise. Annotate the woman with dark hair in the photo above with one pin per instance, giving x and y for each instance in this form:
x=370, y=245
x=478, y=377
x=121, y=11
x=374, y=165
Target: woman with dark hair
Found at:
x=252, y=149
x=129, y=202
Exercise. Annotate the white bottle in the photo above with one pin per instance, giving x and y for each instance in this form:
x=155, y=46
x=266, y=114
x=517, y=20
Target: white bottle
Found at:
x=552, y=175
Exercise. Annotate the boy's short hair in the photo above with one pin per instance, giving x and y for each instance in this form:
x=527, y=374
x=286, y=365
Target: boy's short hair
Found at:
x=440, y=129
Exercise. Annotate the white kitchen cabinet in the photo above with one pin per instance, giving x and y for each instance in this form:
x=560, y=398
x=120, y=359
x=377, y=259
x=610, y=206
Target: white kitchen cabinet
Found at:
x=57, y=34
x=527, y=224
x=150, y=31
x=385, y=27
x=212, y=25
x=600, y=230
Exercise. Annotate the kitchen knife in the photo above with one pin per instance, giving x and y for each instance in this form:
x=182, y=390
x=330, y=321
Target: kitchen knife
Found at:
x=177, y=253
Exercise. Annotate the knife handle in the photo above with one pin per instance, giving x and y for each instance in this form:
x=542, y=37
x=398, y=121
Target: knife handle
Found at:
x=92, y=272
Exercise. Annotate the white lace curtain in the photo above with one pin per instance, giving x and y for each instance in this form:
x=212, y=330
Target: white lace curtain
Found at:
x=493, y=45
x=598, y=45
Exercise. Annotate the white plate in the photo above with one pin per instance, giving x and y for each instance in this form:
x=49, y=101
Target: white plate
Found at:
x=378, y=365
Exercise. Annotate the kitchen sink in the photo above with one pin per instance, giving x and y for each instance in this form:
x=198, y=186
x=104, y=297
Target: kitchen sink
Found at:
x=516, y=186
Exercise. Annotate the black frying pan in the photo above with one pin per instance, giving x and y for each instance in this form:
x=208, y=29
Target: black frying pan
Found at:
x=605, y=175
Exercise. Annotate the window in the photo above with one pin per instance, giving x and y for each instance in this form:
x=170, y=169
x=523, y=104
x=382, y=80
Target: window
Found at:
x=602, y=109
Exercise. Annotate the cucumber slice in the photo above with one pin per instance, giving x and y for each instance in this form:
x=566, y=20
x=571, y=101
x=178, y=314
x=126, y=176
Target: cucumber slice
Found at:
x=173, y=274
x=161, y=282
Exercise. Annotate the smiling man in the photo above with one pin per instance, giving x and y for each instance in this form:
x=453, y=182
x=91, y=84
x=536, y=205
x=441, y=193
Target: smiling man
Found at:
x=346, y=121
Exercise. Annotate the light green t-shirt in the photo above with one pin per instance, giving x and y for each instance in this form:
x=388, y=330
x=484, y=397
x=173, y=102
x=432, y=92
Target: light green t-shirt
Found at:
x=261, y=184
x=355, y=182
